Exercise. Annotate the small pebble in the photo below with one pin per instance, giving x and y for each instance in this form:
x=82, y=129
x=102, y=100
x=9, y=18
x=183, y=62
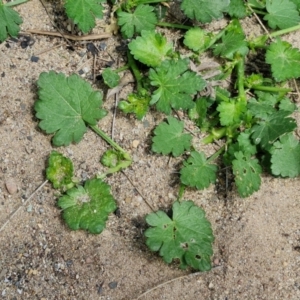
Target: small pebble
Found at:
x=86, y=69
x=113, y=284
x=29, y=208
x=34, y=58
x=135, y=143
x=211, y=286
x=11, y=186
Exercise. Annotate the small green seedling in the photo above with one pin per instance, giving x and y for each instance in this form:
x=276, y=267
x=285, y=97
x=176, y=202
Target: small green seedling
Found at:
x=66, y=105
x=60, y=171
x=85, y=207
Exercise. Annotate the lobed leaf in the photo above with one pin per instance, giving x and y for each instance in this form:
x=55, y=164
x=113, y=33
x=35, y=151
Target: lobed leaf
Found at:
x=142, y=18
x=197, y=39
x=233, y=41
x=197, y=171
x=284, y=60
x=285, y=159
x=65, y=106
x=9, y=22
x=169, y=138
x=84, y=12
x=110, y=77
x=204, y=10
x=87, y=207
x=237, y=9
x=150, y=48
x=176, y=85
x=247, y=173
x=231, y=112
x=282, y=14
x=187, y=236
x=267, y=131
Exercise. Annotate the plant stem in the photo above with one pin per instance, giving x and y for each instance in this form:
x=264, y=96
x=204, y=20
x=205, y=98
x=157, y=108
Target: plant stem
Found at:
x=108, y=139
x=241, y=78
x=181, y=192
x=136, y=72
x=215, y=38
x=126, y=67
x=216, y=154
x=258, y=12
x=179, y=26
x=271, y=89
x=285, y=31
x=221, y=97
x=17, y=2
x=216, y=134
x=260, y=41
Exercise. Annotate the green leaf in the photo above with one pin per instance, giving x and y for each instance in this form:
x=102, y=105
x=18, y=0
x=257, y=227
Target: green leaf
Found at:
x=204, y=10
x=111, y=158
x=287, y=105
x=110, y=77
x=197, y=39
x=285, y=159
x=143, y=18
x=231, y=112
x=237, y=9
x=169, y=138
x=60, y=171
x=260, y=4
x=297, y=3
x=244, y=144
x=65, y=106
x=87, y=207
x=253, y=79
x=83, y=12
x=9, y=22
x=115, y=161
x=282, y=14
x=137, y=103
x=247, y=174
x=187, y=236
x=150, y=48
x=198, y=112
x=275, y=125
x=197, y=171
x=233, y=41
x=176, y=85
x=263, y=106
x=284, y=60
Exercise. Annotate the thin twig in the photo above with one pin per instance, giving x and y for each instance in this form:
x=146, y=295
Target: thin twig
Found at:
x=47, y=50
x=261, y=23
x=172, y=280
x=71, y=37
x=114, y=115
x=150, y=206
x=53, y=24
x=22, y=205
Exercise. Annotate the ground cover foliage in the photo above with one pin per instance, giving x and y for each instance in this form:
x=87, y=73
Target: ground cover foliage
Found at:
x=251, y=121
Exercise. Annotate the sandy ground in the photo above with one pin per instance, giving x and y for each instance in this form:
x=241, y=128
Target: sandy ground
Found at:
x=257, y=240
